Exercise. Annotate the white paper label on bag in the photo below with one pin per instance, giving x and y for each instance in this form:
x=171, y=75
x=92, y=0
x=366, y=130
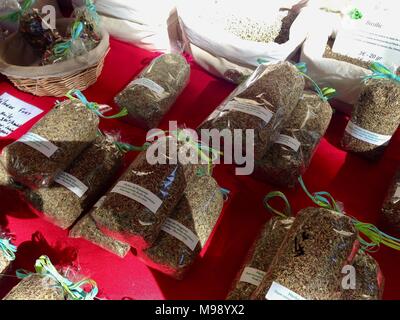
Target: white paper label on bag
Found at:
x=71, y=183
x=288, y=141
x=374, y=37
x=39, y=143
x=254, y=110
x=367, y=136
x=252, y=276
x=149, y=84
x=139, y=194
x=14, y=113
x=99, y=203
x=180, y=232
x=279, y=292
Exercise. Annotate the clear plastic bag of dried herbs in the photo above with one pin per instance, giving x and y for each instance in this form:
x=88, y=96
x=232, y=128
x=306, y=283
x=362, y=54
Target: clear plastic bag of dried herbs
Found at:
x=51, y=145
x=187, y=229
x=151, y=94
x=262, y=103
x=309, y=263
x=77, y=188
x=391, y=206
x=292, y=150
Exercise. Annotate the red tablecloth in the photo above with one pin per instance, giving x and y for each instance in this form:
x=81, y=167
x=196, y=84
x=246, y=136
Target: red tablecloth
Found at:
x=360, y=185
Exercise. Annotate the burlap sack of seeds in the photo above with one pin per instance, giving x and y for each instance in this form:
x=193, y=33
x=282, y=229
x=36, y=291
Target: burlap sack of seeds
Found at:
x=187, y=229
x=140, y=202
x=369, y=279
x=263, y=103
x=60, y=136
x=76, y=189
x=308, y=264
x=375, y=118
x=150, y=95
x=259, y=258
x=391, y=206
x=36, y=287
x=290, y=155
x=86, y=228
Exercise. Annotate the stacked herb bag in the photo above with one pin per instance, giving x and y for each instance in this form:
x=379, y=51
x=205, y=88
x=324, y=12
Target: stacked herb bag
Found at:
x=391, y=206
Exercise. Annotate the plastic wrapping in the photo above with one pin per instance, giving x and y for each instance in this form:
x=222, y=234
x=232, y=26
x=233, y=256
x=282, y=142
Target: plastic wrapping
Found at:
x=60, y=136
x=263, y=103
x=88, y=16
x=86, y=228
x=369, y=279
x=260, y=258
x=309, y=263
x=187, y=230
x=76, y=189
x=375, y=118
x=290, y=155
x=149, y=97
x=391, y=206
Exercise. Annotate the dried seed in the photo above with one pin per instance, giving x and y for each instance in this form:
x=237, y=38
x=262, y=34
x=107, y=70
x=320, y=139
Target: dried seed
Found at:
x=341, y=57
x=391, y=206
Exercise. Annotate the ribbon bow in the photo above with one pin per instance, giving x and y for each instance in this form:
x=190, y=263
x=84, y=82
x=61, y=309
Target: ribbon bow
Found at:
x=381, y=72
x=75, y=291
x=8, y=249
x=75, y=95
x=278, y=194
x=15, y=16
x=61, y=49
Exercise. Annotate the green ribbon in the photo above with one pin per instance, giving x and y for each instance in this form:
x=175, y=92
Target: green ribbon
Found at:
x=75, y=95
x=75, y=291
x=15, y=16
x=355, y=14
x=126, y=147
x=8, y=249
x=281, y=195
x=381, y=72
x=61, y=49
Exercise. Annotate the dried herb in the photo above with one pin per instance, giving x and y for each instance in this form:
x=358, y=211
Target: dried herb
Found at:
x=70, y=127
x=271, y=92
x=391, y=206
x=290, y=155
x=378, y=112
x=36, y=287
x=369, y=279
x=4, y=262
x=312, y=255
x=260, y=258
x=94, y=168
x=192, y=220
x=149, y=97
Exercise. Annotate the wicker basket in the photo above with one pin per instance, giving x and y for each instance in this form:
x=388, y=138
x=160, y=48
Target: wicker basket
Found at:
x=51, y=80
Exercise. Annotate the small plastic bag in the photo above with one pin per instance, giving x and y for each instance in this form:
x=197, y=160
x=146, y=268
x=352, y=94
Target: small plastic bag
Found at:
x=87, y=15
x=51, y=145
x=149, y=97
x=260, y=258
x=187, y=229
x=391, y=206
x=290, y=155
x=369, y=279
x=309, y=263
x=263, y=102
x=76, y=189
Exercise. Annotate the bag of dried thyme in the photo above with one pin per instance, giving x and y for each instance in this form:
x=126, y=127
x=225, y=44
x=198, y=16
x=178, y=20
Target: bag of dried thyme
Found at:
x=7, y=252
x=149, y=97
x=376, y=115
x=391, y=206
x=308, y=264
x=76, y=189
x=51, y=145
x=292, y=150
x=369, y=280
x=263, y=103
x=187, y=229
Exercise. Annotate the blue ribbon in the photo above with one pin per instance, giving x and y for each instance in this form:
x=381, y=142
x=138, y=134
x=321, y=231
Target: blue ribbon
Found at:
x=381, y=72
x=61, y=49
x=8, y=249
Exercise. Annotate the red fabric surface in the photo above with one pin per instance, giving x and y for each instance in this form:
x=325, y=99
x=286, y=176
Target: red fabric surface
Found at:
x=360, y=185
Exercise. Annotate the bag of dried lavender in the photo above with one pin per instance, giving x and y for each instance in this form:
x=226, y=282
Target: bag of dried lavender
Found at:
x=369, y=280
x=7, y=252
x=308, y=264
x=149, y=97
x=391, y=206
x=187, y=229
x=292, y=150
x=263, y=103
x=376, y=115
x=77, y=188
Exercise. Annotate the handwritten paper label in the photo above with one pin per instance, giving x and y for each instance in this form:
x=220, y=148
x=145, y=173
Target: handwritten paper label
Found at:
x=180, y=232
x=252, y=276
x=39, y=143
x=71, y=183
x=14, y=113
x=279, y=292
